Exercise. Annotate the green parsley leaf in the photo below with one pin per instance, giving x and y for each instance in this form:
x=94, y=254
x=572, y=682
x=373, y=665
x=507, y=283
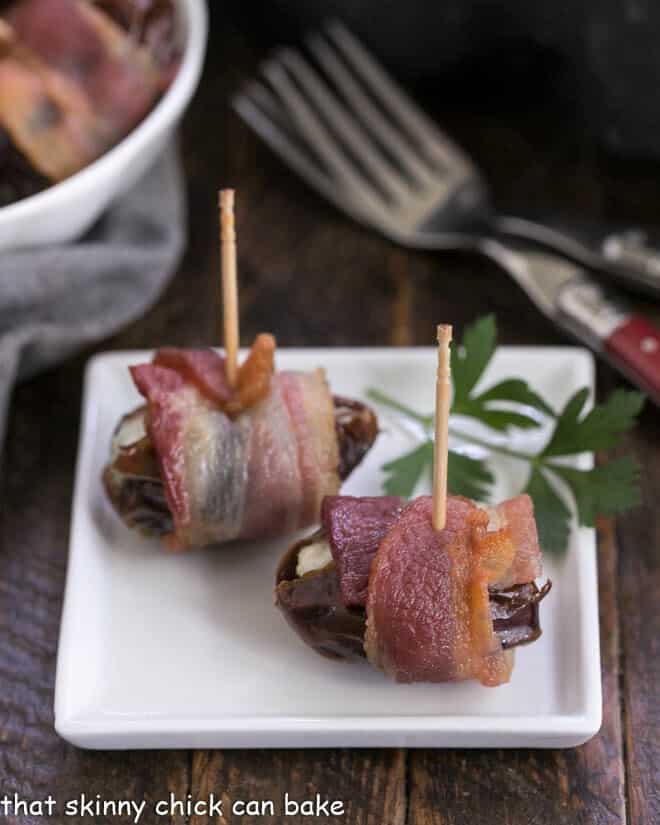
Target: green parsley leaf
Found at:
x=553, y=518
x=467, y=476
x=468, y=363
x=607, y=489
x=518, y=391
x=469, y=360
x=404, y=473
x=599, y=429
x=499, y=420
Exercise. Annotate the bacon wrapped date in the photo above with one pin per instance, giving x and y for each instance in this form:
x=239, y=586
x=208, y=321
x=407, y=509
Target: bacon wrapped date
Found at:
x=376, y=581
x=201, y=463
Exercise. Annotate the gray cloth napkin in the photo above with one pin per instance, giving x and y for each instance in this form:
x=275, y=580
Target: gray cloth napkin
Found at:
x=55, y=300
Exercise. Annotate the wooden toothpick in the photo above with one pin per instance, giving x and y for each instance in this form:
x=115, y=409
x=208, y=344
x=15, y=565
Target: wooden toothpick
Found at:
x=442, y=393
x=229, y=283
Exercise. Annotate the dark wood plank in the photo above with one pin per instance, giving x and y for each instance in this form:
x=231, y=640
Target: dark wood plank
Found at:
x=370, y=784
x=639, y=571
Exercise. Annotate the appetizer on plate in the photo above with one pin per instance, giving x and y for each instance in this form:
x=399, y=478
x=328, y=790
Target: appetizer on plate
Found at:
x=222, y=451
x=203, y=462
x=423, y=605
x=76, y=76
x=435, y=590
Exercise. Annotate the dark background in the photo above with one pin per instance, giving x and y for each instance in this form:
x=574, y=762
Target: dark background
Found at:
x=594, y=62
x=314, y=278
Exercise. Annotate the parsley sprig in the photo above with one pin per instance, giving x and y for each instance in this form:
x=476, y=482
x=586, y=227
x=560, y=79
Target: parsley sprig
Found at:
x=555, y=485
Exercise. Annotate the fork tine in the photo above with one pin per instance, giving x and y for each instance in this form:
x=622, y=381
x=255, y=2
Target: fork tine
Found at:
x=313, y=131
x=271, y=106
x=259, y=110
x=411, y=117
x=382, y=130
x=267, y=102
x=252, y=106
x=349, y=130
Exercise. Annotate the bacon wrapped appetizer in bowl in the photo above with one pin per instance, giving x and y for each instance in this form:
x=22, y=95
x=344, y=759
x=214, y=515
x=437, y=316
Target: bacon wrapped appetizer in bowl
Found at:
x=377, y=581
x=204, y=463
x=90, y=92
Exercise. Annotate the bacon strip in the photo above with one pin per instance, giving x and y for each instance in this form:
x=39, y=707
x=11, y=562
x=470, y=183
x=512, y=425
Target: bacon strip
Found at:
x=274, y=498
x=517, y=514
x=82, y=44
x=48, y=117
x=356, y=527
x=313, y=422
x=263, y=473
x=202, y=458
x=153, y=24
x=205, y=368
x=428, y=616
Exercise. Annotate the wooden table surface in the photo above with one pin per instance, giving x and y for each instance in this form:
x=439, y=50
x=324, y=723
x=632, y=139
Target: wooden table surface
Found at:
x=314, y=278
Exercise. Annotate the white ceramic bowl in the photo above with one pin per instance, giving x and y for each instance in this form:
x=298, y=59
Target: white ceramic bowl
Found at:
x=64, y=211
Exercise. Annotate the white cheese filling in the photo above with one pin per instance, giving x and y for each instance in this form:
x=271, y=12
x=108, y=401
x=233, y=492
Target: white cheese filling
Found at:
x=130, y=431
x=313, y=557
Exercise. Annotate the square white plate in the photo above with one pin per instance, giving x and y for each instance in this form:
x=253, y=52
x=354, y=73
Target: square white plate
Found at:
x=188, y=651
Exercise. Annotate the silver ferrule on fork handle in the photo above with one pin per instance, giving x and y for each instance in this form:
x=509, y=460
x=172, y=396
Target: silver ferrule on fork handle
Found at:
x=630, y=250
x=585, y=309
x=561, y=289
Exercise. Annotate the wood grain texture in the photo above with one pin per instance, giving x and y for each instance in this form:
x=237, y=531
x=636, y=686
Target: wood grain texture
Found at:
x=639, y=571
x=370, y=783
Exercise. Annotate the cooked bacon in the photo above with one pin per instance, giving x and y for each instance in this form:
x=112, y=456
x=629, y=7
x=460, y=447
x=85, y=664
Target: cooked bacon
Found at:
x=206, y=369
x=311, y=409
x=428, y=616
x=357, y=525
x=261, y=474
x=254, y=375
x=173, y=407
x=47, y=116
x=355, y=528
x=274, y=497
x=517, y=514
x=203, y=368
x=151, y=23
x=81, y=43
x=72, y=83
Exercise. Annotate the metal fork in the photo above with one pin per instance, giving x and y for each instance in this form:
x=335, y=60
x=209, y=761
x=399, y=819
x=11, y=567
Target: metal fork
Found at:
x=347, y=127
x=353, y=134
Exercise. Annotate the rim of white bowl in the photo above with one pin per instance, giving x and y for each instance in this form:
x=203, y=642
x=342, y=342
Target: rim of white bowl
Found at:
x=164, y=114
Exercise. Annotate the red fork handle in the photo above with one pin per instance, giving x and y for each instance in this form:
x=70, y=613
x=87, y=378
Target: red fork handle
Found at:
x=634, y=347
